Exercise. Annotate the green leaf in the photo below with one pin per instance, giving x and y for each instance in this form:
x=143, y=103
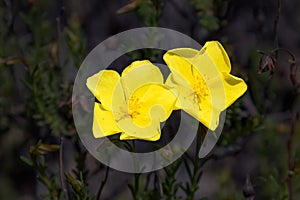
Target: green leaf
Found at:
x=26, y=160
x=76, y=184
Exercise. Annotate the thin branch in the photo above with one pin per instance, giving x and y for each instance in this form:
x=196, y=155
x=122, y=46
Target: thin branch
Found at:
x=148, y=181
x=276, y=23
x=285, y=50
x=186, y=16
x=291, y=161
x=291, y=147
x=157, y=184
x=292, y=135
x=61, y=168
x=291, y=140
x=12, y=60
x=293, y=68
x=103, y=183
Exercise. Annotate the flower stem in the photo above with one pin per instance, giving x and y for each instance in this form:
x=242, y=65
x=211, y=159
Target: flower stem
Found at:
x=136, y=181
x=291, y=140
x=291, y=146
x=197, y=165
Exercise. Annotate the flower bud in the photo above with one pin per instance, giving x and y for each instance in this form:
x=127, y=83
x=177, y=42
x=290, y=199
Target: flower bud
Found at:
x=266, y=63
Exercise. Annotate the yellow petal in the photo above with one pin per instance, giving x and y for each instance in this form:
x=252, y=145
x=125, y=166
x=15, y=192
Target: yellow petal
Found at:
x=138, y=74
x=202, y=111
x=213, y=65
x=218, y=55
x=209, y=115
x=178, y=62
x=225, y=90
x=152, y=101
x=135, y=131
x=124, y=136
x=104, y=123
x=185, y=62
x=105, y=85
x=201, y=67
x=186, y=95
x=234, y=87
x=211, y=61
x=148, y=106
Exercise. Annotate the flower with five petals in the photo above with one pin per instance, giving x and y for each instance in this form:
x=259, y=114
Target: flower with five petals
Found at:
x=132, y=104
x=203, y=81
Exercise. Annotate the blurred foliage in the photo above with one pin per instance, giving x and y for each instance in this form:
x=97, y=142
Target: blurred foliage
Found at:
x=148, y=11
x=49, y=100
x=79, y=187
x=210, y=13
x=49, y=92
x=38, y=162
x=170, y=185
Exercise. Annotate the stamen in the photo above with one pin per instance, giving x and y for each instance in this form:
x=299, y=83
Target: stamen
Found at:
x=200, y=88
x=133, y=106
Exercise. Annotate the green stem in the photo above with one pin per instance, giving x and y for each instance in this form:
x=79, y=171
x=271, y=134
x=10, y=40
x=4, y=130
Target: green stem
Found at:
x=135, y=187
x=196, y=165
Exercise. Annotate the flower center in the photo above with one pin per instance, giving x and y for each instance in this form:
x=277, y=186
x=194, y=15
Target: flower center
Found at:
x=133, y=106
x=200, y=88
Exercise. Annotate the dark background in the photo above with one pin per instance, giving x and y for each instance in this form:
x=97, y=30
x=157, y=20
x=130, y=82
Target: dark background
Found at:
x=43, y=43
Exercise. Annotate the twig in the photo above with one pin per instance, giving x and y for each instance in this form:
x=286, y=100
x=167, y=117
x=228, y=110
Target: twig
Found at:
x=10, y=60
x=157, y=184
x=148, y=181
x=276, y=23
x=185, y=15
x=287, y=51
x=293, y=68
x=291, y=140
x=248, y=189
x=61, y=168
x=103, y=183
x=291, y=147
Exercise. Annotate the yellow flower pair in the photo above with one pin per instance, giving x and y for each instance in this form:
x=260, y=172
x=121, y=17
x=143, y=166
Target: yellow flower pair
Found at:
x=135, y=103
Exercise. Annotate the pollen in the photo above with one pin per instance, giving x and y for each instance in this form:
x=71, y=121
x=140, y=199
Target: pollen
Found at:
x=134, y=106
x=200, y=88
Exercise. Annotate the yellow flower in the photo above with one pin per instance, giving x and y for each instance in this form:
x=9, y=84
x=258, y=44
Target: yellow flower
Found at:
x=203, y=81
x=132, y=104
